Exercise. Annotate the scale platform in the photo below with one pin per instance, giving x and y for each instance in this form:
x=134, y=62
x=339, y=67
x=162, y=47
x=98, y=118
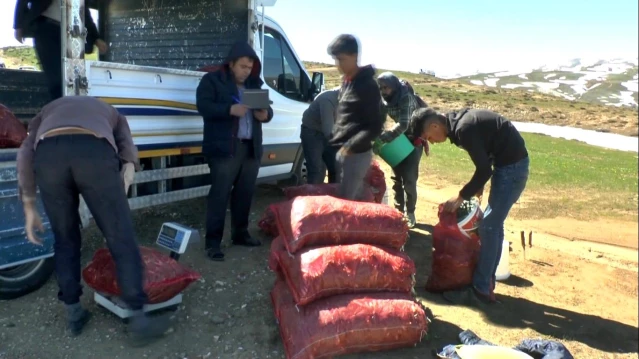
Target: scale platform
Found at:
x=117, y=307
x=174, y=237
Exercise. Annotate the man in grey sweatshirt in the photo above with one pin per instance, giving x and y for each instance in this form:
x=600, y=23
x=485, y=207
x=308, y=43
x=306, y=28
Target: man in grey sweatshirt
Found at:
x=317, y=125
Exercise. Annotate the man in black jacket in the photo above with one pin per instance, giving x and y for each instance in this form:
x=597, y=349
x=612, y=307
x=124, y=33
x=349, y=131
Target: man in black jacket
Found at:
x=359, y=119
x=41, y=19
x=233, y=145
x=498, y=150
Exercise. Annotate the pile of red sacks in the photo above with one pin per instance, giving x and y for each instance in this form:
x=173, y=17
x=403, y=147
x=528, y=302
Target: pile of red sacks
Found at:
x=343, y=285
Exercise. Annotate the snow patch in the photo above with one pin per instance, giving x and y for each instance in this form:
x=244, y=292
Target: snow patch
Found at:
x=594, y=86
x=549, y=76
x=477, y=82
x=523, y=76
x=611, y=68
x=625, y=98
x=513, y=86
x=492, y=81
x=631, y=85
x=599, y=139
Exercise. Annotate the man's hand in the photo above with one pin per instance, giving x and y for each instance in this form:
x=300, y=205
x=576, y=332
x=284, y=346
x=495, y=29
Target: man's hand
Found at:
x=260, y=115
x=344, y=151
x=386, y=136
x=102, y=46
x=128, y=175
x=480, y=194
x=19, y=35
x=239, y=110
x=33, y=222
x=452, y=205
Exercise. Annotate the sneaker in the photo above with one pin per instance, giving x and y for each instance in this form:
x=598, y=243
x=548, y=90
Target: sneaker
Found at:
x=410, y=217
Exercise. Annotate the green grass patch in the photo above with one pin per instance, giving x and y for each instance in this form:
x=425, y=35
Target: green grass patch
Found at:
x=606, y=89
x=626, y=76
x=567, y=178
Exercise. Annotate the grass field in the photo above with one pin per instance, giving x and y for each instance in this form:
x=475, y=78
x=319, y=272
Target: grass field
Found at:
x=567, y=178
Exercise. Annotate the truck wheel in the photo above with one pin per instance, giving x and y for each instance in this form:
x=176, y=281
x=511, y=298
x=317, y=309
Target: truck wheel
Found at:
x=299, y=176
x=24, y=278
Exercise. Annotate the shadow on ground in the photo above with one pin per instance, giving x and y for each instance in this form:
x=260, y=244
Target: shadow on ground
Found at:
x=596, y=332
x=517, y=281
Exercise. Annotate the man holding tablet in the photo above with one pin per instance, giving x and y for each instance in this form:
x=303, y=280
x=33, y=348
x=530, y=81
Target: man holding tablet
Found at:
x=232, y=143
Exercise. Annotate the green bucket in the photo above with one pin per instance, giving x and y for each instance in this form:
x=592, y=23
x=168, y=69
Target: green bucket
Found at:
x=395, y=151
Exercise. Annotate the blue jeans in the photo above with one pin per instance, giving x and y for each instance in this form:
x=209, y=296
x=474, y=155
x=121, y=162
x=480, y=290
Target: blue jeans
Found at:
x=506, y=187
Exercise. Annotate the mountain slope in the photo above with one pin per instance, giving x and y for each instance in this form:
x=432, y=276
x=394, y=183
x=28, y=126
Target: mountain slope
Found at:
x=517, y=104
x=611, y=82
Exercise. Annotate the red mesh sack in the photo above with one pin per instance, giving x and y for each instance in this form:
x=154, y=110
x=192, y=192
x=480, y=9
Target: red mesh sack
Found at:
x=267, y=223
x=320, y=272
x=315, y=221
x=376, y=179
x=12, y=131
x=164, y=277
x=324, y=189
x=348, y=323
x=273, y=263
x=455, y=255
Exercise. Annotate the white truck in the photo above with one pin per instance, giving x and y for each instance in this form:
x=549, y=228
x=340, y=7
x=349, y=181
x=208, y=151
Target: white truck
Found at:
x=157, y=52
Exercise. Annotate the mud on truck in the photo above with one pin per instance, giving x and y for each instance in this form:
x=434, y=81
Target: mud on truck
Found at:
x=158, y=51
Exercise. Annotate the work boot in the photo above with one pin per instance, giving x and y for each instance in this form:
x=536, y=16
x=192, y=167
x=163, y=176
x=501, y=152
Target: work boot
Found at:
x=468, y=296
x=243, y=238
x=77, y=318
x=144, y=330
x=410, y=218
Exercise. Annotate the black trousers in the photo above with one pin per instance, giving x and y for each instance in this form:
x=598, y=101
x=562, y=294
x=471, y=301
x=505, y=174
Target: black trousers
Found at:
x=232, y=179
x=319, y=156
x=67, y=166
x=405, y=176
x=47, y=43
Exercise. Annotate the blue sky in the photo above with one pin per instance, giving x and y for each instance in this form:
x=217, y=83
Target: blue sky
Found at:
x=452, y=36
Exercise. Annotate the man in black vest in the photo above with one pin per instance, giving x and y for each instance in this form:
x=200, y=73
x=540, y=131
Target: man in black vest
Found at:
x=233, y=145
x=40, y=19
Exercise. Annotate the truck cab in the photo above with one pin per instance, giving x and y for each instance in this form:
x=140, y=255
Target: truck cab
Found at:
x=158, y=52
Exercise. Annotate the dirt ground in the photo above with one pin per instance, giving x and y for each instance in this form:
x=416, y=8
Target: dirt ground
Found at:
x=581, y=293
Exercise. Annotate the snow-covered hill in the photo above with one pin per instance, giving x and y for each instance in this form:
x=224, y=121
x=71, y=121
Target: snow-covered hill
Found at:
x=610, y=82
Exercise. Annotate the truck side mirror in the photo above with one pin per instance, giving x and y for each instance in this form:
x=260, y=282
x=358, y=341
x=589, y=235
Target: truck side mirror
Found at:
x=317, y=85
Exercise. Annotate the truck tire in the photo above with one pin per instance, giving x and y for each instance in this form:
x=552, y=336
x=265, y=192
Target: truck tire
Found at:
x=299, y=175
x=24, y=278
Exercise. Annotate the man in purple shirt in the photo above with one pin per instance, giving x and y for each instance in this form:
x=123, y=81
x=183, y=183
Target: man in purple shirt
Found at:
x=81, y=145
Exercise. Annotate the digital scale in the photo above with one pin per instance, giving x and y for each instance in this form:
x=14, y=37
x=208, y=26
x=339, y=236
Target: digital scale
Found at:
x=174, y=237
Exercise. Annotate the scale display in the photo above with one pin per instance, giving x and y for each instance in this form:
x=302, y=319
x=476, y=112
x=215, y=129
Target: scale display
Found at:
x=175, y=237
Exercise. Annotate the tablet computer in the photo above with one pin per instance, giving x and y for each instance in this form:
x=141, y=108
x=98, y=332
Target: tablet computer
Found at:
x=256, y=99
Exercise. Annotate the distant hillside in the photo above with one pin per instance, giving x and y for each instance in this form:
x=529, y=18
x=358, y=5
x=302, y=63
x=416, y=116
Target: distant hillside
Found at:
x=519, y=104
x=16, y=56
x=516, y=97
x=611, y=82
